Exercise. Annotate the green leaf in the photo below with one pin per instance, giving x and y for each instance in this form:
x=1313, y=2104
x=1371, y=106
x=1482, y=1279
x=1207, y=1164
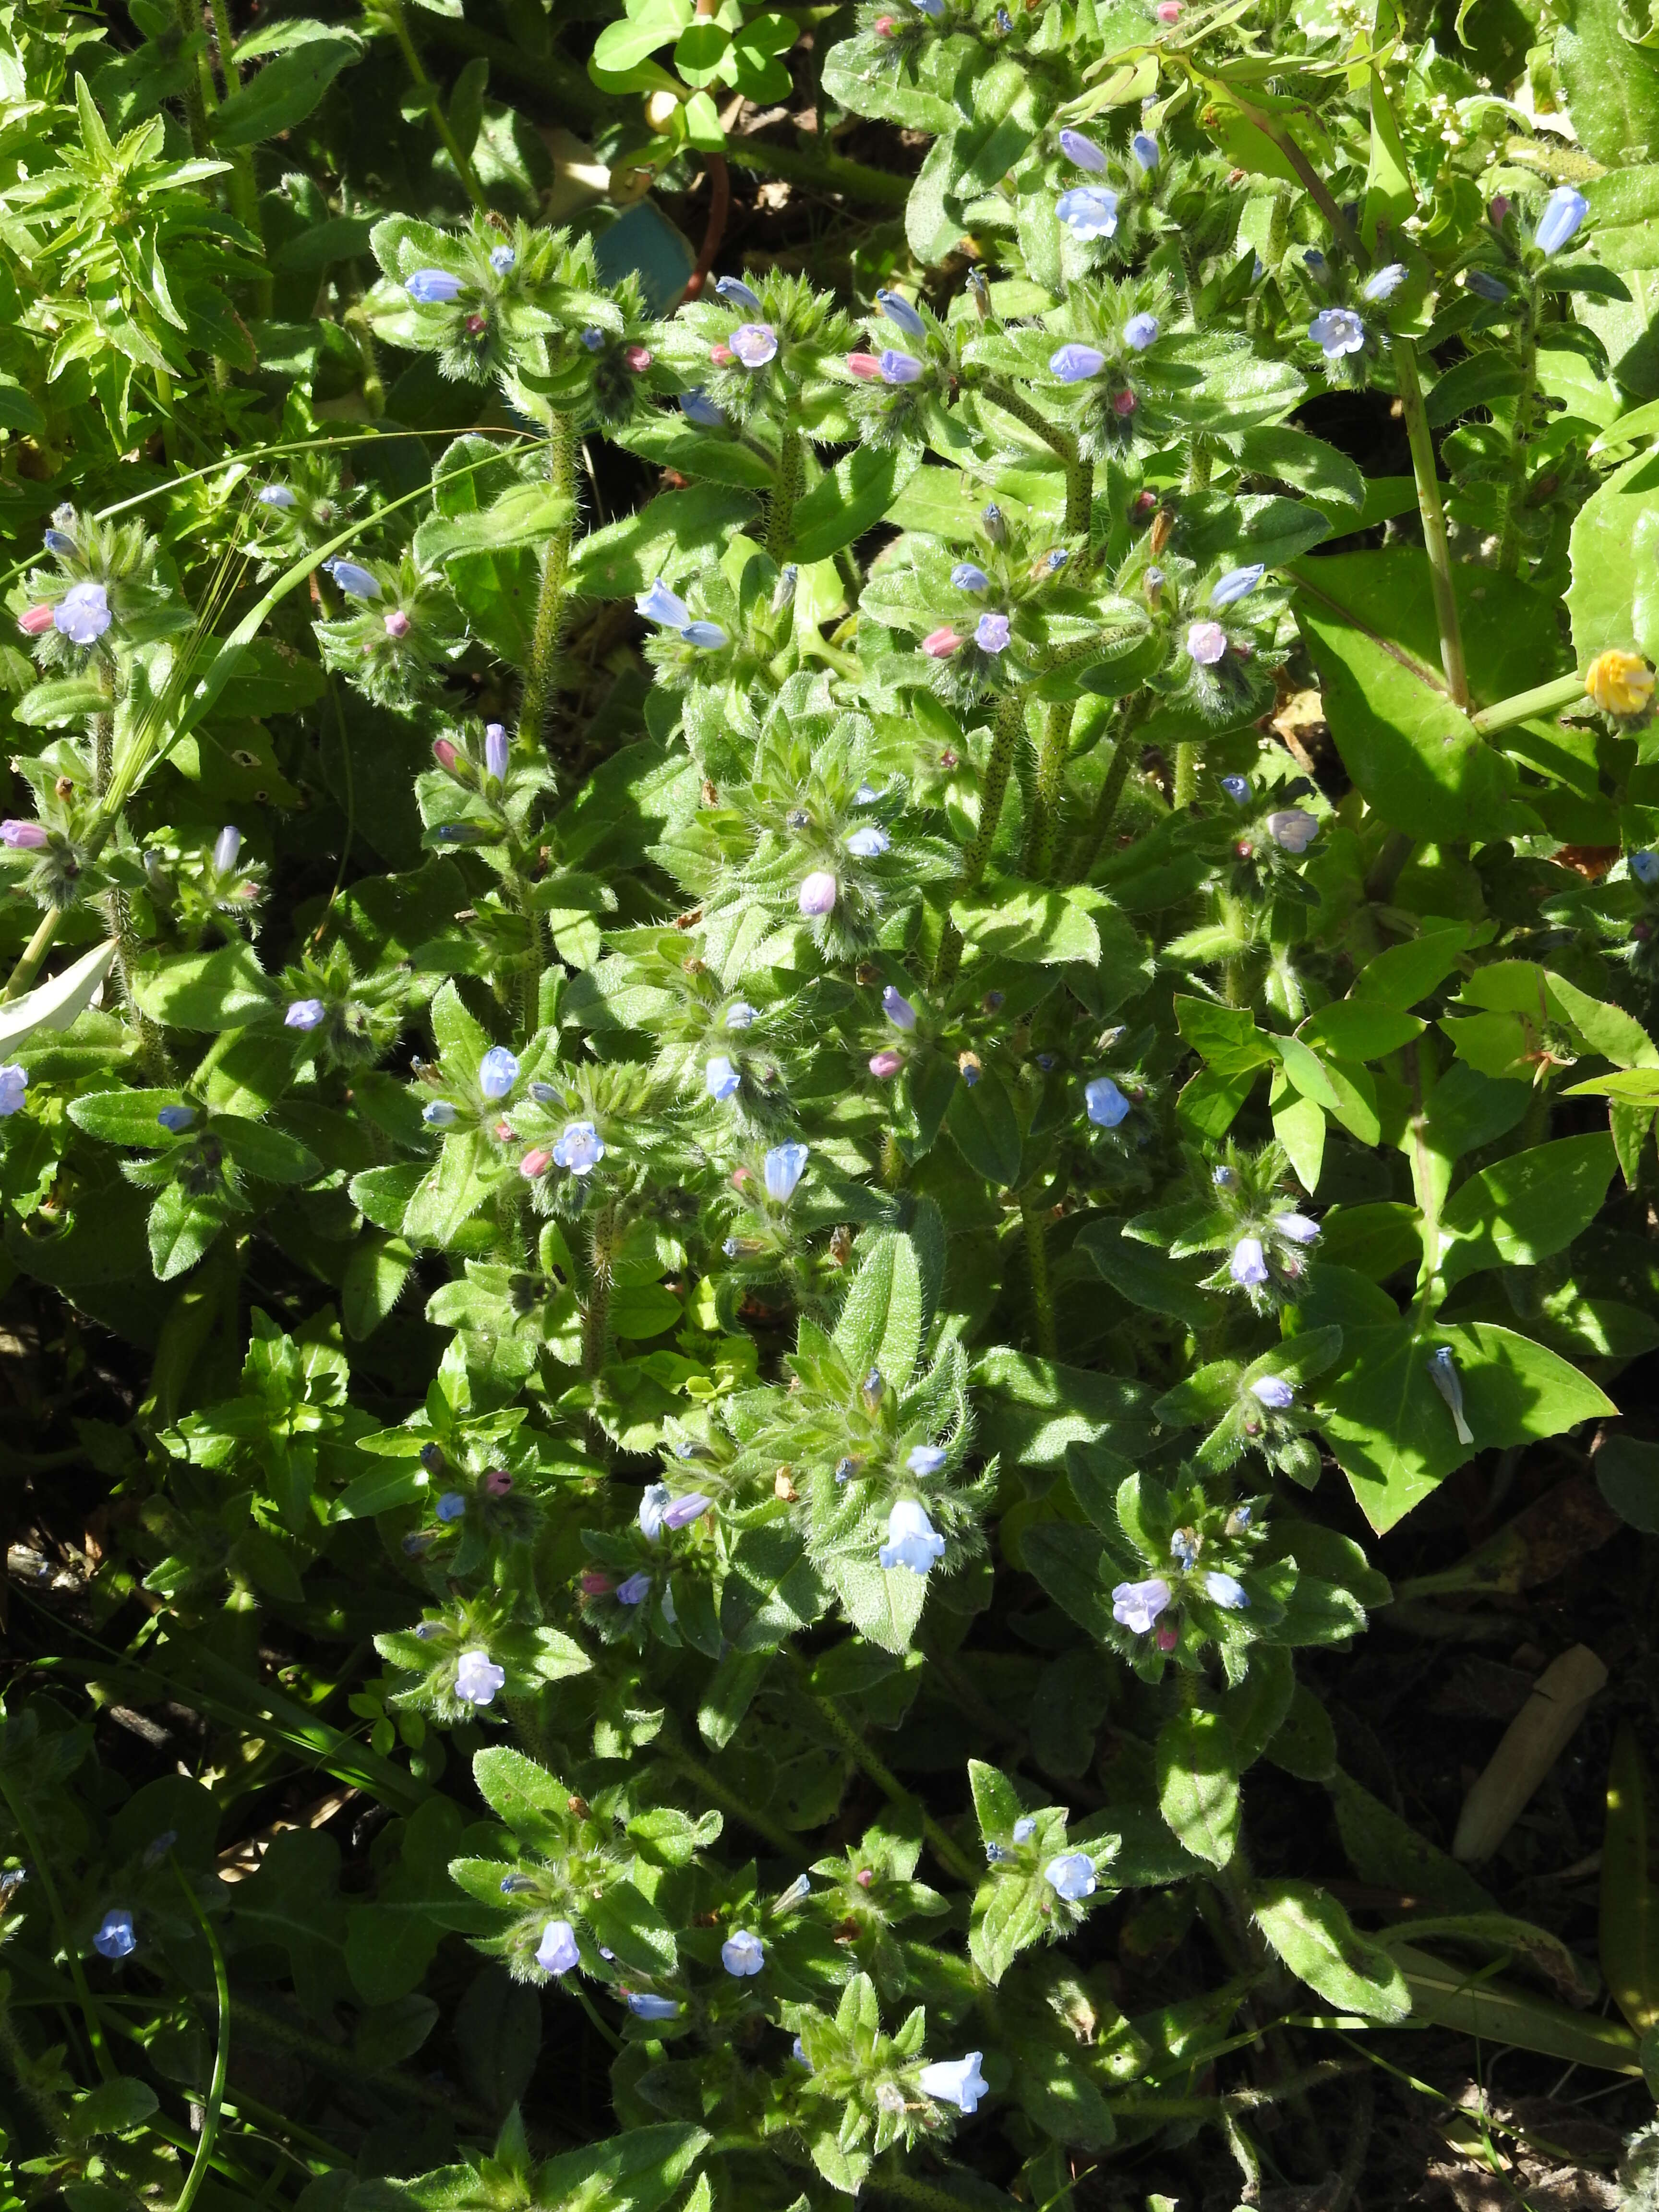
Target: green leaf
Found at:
x=1023, y=921
x=114, y=2108
x=980, y=1118
x=284, y=92
x=1629, y=1937
x=1404, y=974
x=668, y=537
x=525, y=514
x=1320, y=1944
x=1198, y=1783
x=1468, y=2000
x=1522, y=1209
x=1612, y=85
x=1613, y=543
x=1277, y=450
x=69, y=699
x=854, y=497
x=181, y=1229
x=1147, y=1277
x=708, y=456
x=1361, y=1029
x=221, y=990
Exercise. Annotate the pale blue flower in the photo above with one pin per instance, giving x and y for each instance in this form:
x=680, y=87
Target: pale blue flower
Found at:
x=1443, y=1373
x=991, y=634
x=967, y=577
x=925, y=1460
x=1386, y=282
x=955, y=2082
x=1140, y=331
x=660, y=604
x=1226, y=1591
x=1024, y=1828
x=1072, y=1876
x=898, y=368
x=1317, y=266
x=799, y=2056
x=1237, y=788
x=1144, y=147
x=1249, y=1264
x=580, y=1148
x=1076, y=364
x=740, y=1015
x=1238, y=584
x=1137, y=1605
x=1564, y=210
x=868, y=843
x=707, y=636
x=501, y=259
x=1088, y=212
x=1644, y=866
x=498, y=1071
x=451, y=1506
x=1486, y=286
x=274, y=495
x=912, y=1540
x=496, y=750
x=1082, y=153
x=897, y=1008
x=1104, y=1103
x=1336, y=332
x=737, y=294
x=1273, y=1392
x=697, y=407
x=1206, y=643
x=14, y=1082
x=82, y=614
x=478, y=1678
x=1293, y=829
x=897, y=309
x=644, y=2006
x=433, y=287
x=356, y=582
x=743, y=1953
x=305, y=1014
x=635, y=1590
x=654, y=1502
x=1296, y=1228
x=754, y=343
x=721, y=1078
x=175, y=1120
x=439, y=1114
x=784, y=1166
x=1183, y=1549
x=593, y=337
x=556, y=1953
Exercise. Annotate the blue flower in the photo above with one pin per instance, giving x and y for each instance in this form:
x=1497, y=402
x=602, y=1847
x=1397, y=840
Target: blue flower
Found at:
x=1486, y=286
x=643, y=2006
x=991, y=634
x=1088, y=212
x=1249, y=1264
x=14, y=1082
x=580, y=1148
x=898, y=368
x=635, y=1590
x=1024, y=1828
x=1273, y=1392
x=274, y=495
x=1564, y=210
x=1296, y=1228
x=175, y=1120
x=1237, y=788
x=740, y=1015
x=868, y=843
x=1081, y=152
x=1315, y=263
x=58, y=541
x=556, y=1953
x=478, y=1678
x=1336, y=332
x=743, y=1953
x=1226, y=1592
x=1443, y=1373
x=440, y=1114
x=967, y=577
x=721, y=1078
x=933, y=9
x=800, y=2057
x=1644, y=866
x=1293, y=829
x=1072, y=1876
x=1238, y=584
x=115, y=1938
x=955, y=2082
x=501, y=259
x=1386, y=282
x=1105, y=1103
x=1137, y=1605
x=737, y=294
x=1140, y=331
x=357, y=583
x=926, y=1459
x=451, y=1506
x=754, y=344
x=697, y=407
x=912, y=1540
x=305, y=1014
x=706, y=637
x=660, y=604
x=784, y=1166
x=83, y=615
x=1076, y=364
x=496, y=750
x=433, y=287
x=897, y=1008
x=1144, y=147
x=897, y=309
x=498, y=1071
x=593, y=337
x=1183, y=1549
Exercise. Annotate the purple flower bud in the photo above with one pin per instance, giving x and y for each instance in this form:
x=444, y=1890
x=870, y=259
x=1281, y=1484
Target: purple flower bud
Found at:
x=697, y=407
x=1296, y=1228
x=1249, y=1264
x=660, y=604
x=737, y=294
x=898, y=368
x=175, y=1120
x=898, y=310
x=897, y=1008
x=496, y=750
x=1486, y=286
x=1238, y=584
x=1206, y=643
x=1227, y=1592
x=593, y=337
x=498, y=1071
x=686, y=1510
x=707, y=636
x=1273, y=1392
x=22, y=836
x=451, y=1506
x=868, y=843
x=1144, y=147
x=357, y=583
x=925, y=1460
x=817, y=893
x=1385, y=281
x=1237, y=788
x=305, y=1014
x=440, y=1114
x=274, y=495
x=991, y=634
x=1564, y=210
x=1082, y=153
x=433, y=287
x=635, y=1590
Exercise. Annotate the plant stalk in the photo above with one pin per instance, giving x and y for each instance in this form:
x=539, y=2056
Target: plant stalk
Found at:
x=1512, y=492
x=781, y=508
x=393, y=10
x=1434, y=520
x=947, y=1853
x=1010, y=721
x=1111, y=789
x=548, y=632
x=1035, y=1218
x=215, y=2096
x=1052, y=757
x=1548, y=699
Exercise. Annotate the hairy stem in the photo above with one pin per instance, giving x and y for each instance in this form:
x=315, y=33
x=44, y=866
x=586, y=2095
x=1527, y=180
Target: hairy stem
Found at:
x=1010, y=721
x=429, y=95
x=1111, y=790
x=1035, y=1217
x=1052, y=757
x=194, y=97
x=548, y=633
x=1512, y=491
x=781, y=508
x=1434, y=519
x=947, y=1853
x=1080, y=473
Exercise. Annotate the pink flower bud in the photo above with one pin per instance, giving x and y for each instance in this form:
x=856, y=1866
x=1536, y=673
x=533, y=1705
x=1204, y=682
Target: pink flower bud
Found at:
x=396, y=623
x=1500, y=209
x=1168, y=11
x=722, y=355
x=740, y=1176
x=536, y=1163
x=444, y=754
x=882, y=26
x=505, y=1133
x=594, y=1585
x=476, y=325
x=864, y=364
x=884, y=1065
x=940, y=644
x=817, y=892
x=638, y=358
x=1124, y=403
x=497, y=1482
x=36, y=620
x=1165, y=1635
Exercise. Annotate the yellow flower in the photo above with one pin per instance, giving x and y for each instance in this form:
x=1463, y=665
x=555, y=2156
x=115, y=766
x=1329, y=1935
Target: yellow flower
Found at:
x=1620, y=683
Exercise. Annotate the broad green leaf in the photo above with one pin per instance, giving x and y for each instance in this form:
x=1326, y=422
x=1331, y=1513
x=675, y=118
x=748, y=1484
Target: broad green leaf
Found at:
x=850, y=499
x=982, y=1119
x=1198, y=1783
x=221, y=990
x=1320, y=1944
x=1467, y=1999
x=527, y=514
x=1023, y=921
x=284, y=92
x=671, y=536
x=1613, y=545
x=1612, y=85
x=1522, y=1209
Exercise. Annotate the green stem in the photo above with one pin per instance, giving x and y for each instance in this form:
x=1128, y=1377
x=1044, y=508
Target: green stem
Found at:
x=596, y=1313
x=354, y=320
x=1080, y=473
x=1052, y=757
x=548, y=633
x=781, y=508
x=34, y=953
x=1011, y=721
x=196, y=111
x=215, y=2096
x=428, y=93
x=1546, y=701
x=244, y=187
x=1111, y=789
x=1186, y=774
x=1512, y=492
x=1037, y=1248
x=1434, y=519
x=40, y=1871
x=947, y=1853
x=786, y=1846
